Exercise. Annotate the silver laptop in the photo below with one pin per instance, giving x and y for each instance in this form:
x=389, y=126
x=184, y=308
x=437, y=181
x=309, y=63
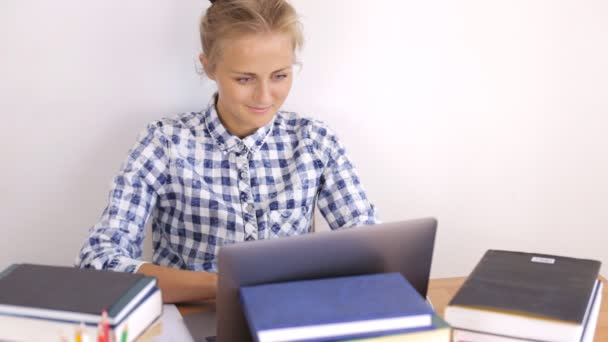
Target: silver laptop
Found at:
x=405, y=247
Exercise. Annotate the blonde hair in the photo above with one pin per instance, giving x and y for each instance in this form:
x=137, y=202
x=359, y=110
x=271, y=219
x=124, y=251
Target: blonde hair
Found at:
x=226, y=19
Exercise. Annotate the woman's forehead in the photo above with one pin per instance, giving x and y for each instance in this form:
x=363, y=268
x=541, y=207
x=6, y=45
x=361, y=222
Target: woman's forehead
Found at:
x=252, y=53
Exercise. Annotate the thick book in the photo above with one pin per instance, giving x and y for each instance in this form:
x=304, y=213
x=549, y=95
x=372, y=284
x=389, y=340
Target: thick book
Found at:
x=526, y=296
x=440, y=332
x=331, y=308
x=461, y=335
x=40, y=302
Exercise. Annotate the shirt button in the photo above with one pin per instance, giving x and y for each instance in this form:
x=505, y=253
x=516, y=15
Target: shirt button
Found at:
x=244, y=174
x=250, y=207
x=244, y=196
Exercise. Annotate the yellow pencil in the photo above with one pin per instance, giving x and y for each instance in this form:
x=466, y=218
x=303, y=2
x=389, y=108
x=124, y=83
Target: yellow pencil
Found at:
x=79, y=331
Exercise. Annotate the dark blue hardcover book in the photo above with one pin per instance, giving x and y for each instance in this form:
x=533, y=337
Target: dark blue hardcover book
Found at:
x=332, y=308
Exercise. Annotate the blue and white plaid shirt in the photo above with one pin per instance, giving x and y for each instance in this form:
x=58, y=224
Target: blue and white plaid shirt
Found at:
x=206, y=187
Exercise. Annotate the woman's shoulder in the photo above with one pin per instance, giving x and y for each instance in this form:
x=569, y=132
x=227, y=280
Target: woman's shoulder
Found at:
x=302, y=125
x=179, y=130
x=187, y=123
x=309, y=131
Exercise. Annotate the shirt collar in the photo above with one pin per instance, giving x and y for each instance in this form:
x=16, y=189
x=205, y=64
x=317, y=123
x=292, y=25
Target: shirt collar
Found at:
x=225, y=140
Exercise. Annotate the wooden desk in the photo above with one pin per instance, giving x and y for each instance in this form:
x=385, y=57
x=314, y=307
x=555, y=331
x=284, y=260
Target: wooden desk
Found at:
x=442, y=290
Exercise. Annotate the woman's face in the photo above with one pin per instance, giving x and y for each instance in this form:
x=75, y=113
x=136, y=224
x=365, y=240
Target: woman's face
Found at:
x=253, y=76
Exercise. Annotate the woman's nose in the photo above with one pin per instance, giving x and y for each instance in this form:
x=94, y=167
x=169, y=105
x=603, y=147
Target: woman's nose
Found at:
x=262, y=94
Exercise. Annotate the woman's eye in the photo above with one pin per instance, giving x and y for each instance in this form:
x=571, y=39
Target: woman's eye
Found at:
x=243, y=80
x=280, y=76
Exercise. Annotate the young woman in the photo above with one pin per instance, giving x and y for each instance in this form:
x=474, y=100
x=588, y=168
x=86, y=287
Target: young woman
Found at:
x=239, y=170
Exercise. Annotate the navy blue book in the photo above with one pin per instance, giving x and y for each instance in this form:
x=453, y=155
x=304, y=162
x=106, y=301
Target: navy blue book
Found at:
x=332, y=308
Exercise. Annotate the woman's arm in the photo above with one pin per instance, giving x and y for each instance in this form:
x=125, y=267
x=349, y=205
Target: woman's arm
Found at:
x=115, y=242
x=342, y=199
x=179, y=286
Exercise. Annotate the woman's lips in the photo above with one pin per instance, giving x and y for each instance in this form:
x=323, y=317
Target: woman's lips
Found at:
x=259, y=110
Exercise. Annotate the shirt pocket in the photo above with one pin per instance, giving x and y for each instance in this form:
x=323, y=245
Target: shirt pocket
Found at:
x=288, y=222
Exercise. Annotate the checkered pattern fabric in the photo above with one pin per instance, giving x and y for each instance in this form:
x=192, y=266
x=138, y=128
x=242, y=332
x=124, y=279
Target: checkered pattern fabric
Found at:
x=205, y=187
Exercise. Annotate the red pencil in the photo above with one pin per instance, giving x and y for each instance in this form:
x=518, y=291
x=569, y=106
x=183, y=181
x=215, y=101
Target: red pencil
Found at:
x=105, y=325
x=100, y=335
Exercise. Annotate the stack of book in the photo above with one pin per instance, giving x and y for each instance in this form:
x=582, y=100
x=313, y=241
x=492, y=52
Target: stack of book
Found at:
x=382, y=307
x=516, y=296
x=439, y=332
x=44, y=303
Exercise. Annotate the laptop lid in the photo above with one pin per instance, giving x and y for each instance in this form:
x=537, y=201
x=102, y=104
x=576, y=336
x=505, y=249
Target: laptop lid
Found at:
x=405, y=247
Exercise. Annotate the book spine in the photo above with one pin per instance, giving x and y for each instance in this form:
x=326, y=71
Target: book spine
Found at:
x=18, y=328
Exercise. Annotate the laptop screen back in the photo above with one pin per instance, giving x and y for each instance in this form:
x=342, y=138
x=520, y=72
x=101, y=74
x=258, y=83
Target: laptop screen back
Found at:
x=405, y=247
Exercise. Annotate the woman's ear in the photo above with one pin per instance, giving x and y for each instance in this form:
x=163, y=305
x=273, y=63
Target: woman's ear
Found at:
x=206, y=66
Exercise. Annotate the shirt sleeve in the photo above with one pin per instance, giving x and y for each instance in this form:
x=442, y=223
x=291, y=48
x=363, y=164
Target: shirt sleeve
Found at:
x=115, y=242
x=342, y=199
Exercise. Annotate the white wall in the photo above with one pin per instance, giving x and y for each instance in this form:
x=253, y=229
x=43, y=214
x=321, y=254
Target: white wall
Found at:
x=489, y=115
